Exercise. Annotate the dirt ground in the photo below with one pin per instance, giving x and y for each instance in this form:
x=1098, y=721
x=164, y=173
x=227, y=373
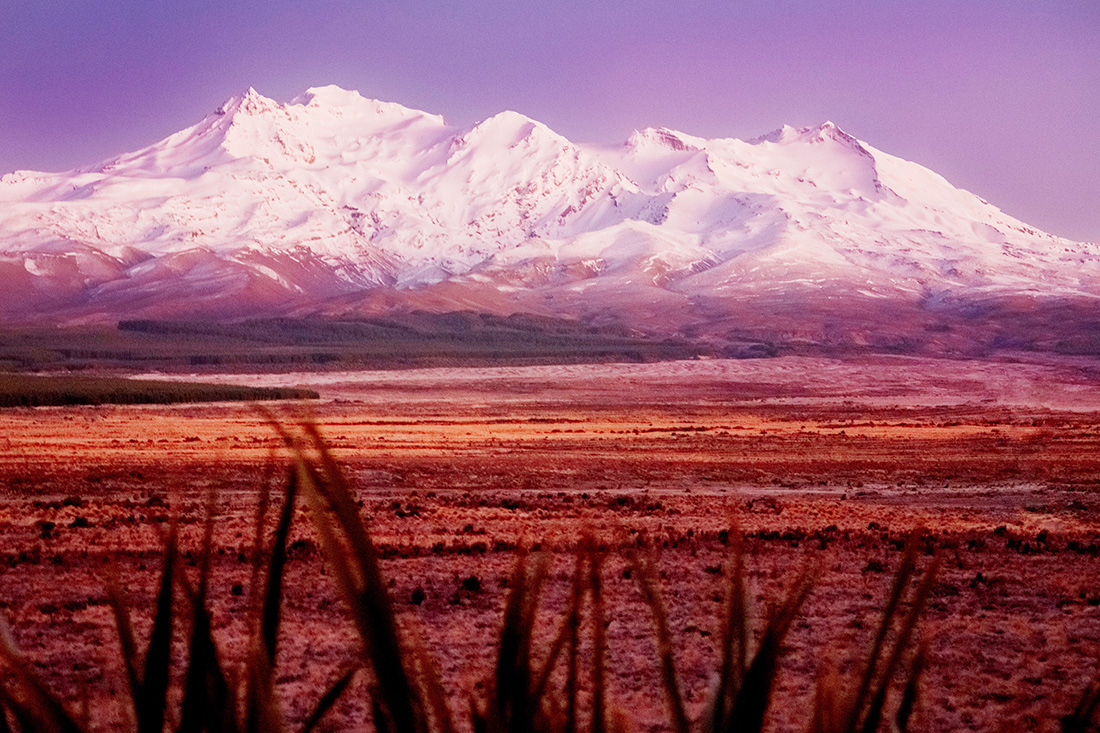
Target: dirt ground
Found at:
x=830, y=463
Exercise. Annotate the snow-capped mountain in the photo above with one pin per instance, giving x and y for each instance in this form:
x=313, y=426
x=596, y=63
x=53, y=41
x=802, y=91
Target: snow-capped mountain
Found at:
x=336, y=203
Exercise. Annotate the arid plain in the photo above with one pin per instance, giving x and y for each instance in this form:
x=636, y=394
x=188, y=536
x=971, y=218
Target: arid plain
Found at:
x=819, y=461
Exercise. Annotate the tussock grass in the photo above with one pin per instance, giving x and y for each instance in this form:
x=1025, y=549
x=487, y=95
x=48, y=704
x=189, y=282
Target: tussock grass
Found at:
x=531, y=690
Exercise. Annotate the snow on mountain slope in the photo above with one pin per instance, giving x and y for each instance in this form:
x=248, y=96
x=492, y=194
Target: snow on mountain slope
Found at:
x=820, y=205
x=270, y=207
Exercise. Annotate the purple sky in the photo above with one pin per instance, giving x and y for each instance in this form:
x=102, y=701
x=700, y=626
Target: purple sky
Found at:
x=1002, y=98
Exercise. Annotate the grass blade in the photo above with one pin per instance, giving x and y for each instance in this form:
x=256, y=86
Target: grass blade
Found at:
x=911, y=693
x=126, y=637
x=580, y=588
x=259, y=521
x=329, y=698
x=362, y=585
x=571, y=620
x=34, y=706
x=754, y=697
x=647, y=582
x=428, y=674
x=207, y=700
x=1081, y=718
x=878, y=700
x=273, y=595
x=827, y=715
x=734, y=639
x=599, y=645
x=208, y=703
x=5, y=726
x=150, y=704
x=514, y=706
x=262, y=711
x=901, y=581
x=260, y=697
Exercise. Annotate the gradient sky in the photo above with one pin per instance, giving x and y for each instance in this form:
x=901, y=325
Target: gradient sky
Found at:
x=1002, y=98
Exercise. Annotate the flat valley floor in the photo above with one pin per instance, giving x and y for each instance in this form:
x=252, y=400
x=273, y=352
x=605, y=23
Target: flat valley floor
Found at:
x=821, y=463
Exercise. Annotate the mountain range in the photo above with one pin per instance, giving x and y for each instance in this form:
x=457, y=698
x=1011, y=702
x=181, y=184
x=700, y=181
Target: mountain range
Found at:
x=338, y=205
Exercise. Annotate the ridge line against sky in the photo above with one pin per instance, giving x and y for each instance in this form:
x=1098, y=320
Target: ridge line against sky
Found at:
x=1002, y=98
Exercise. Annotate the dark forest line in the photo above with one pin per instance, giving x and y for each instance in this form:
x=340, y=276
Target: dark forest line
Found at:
x=405, y=340
x=26, y=390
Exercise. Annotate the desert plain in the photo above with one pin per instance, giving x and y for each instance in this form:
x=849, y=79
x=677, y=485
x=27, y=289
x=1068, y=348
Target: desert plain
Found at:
x=821, y=463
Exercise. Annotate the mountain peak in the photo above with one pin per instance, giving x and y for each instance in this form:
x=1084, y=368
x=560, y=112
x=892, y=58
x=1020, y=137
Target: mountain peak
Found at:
x=509, y=119
x=337, y=102
x=249, y=102
x=663, y=137
x=330, y=96
x=507, y=128
x=827, y=131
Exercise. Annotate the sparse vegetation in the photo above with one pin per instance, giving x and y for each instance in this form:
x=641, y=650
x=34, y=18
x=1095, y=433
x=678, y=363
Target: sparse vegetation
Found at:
x=534, y=687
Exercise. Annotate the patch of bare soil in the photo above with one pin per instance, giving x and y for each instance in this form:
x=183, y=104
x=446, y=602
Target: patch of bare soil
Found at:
x=816, y=461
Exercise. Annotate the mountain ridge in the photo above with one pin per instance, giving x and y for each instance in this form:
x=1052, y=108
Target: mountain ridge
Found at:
x=324, y=203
